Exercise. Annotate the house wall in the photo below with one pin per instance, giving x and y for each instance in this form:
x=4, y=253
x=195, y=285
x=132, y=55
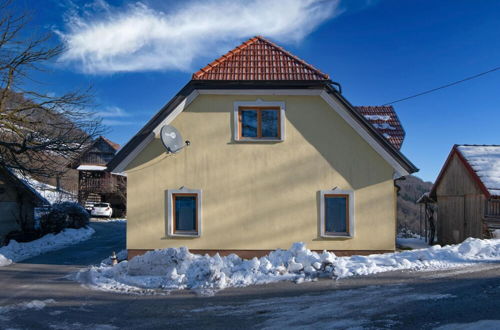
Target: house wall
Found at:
x=460, y=205
x=260, y=196
x=14, y=205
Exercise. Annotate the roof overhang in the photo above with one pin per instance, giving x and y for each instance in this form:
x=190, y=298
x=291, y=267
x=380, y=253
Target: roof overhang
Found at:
x=401, y=165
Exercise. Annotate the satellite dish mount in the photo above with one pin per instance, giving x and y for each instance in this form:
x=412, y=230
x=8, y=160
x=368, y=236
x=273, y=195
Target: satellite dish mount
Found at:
x=172, y=139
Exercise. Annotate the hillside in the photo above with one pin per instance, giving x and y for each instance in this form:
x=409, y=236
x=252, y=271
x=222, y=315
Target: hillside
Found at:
x=409, y=211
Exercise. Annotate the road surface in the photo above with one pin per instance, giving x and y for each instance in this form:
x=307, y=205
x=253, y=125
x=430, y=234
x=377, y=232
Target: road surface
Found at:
x=37, y=294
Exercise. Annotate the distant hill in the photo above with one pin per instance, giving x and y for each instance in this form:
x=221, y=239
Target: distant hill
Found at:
x=408, y=210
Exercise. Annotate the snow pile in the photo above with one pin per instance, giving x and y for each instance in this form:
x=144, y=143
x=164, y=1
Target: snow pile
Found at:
x=485, y=160
x=177, y=268
x=15, y=252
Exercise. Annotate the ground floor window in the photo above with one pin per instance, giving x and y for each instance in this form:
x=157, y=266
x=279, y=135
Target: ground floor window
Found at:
x=184, y=212
x=337, y=208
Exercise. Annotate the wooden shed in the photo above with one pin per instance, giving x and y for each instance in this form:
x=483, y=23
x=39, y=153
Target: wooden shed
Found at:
x=467, y=192
x=17, y=204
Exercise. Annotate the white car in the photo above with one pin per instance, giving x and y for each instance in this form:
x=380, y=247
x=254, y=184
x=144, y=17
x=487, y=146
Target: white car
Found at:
x=88, y=206
x=102, y=210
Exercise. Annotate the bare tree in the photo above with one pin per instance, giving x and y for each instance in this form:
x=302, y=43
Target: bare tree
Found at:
x=39, y=132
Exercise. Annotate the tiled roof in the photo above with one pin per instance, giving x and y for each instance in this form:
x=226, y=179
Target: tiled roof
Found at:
x=259, y=59
x=386, y=121
x=113, y=145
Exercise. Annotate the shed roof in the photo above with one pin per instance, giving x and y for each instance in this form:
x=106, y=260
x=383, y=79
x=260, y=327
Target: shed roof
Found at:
x=20, y=182
x=482, y=162
x=386, y=121
x=485, y=161
x=259, y=59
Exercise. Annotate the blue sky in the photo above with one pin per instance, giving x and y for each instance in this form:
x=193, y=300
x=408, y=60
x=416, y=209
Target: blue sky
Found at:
x=138, y=55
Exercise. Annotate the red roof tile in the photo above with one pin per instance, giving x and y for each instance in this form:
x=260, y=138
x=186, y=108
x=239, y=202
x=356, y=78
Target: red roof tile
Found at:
x=259, y=59
x=386, y=121
x=113, y=145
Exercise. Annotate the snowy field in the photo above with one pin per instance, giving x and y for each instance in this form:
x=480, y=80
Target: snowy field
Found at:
x=164, y=270
x=15, y=252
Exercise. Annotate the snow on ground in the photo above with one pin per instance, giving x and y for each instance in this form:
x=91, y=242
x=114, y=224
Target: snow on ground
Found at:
x=412, y=243
x=109, y=220
x=408, y=239
x=483, y=325
x=33, y=305
x=15, y=252
x=178, y=269
x=338, y=309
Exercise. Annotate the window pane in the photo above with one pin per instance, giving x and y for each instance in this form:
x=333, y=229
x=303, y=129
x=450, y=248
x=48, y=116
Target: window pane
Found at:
x=249, y=123
x=269, y=123
x=185, y=213
x=335, y=214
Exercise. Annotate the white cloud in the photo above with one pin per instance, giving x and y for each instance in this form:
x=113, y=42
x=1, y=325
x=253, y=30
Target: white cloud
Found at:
x=115, y=116
x=138, y=37
x=112, y=112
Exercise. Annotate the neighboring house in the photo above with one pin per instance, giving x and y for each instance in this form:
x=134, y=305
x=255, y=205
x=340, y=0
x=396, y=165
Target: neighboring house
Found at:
x=18, y=201
x=95, y=182
x=467, y=192
x=277, y=156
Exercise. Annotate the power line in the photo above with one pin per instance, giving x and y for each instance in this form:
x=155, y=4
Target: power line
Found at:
x=445, y=86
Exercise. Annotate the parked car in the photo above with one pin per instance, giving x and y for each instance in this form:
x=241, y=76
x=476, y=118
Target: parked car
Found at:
x=89, y=206
x=102, y=210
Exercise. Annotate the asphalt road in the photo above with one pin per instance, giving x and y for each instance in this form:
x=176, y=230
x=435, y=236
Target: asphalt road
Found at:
x=37, y=294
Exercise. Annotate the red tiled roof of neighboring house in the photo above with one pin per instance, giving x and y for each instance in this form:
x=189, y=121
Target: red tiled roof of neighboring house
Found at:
x=386, y=121
x=115, y=146
x=259, y=59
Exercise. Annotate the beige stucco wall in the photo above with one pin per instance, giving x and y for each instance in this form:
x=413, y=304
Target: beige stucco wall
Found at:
x=262, y=195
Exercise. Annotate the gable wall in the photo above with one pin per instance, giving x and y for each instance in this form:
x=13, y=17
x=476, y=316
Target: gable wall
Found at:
x=14, y=205
x=460, y=204
x=262, y=195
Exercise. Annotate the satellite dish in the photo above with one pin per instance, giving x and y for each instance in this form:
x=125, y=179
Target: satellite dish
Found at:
x=172, y=139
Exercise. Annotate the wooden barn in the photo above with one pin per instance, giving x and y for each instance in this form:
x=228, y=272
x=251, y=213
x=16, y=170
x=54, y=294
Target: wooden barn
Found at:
x=467, y=192
x=18, y=201
x=95, y=182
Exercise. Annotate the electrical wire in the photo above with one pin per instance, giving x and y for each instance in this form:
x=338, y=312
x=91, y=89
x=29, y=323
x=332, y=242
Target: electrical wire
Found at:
x=444, y=86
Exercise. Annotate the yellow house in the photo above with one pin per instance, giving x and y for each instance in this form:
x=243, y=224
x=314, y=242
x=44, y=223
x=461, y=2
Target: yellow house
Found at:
x=277, y=156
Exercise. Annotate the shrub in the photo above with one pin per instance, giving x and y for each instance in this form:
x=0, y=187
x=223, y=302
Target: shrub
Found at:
x=64, y=215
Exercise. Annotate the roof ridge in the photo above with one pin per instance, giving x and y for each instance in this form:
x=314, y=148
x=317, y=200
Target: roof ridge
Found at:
x=326, y=76
x=218, y=61
x=229, y=55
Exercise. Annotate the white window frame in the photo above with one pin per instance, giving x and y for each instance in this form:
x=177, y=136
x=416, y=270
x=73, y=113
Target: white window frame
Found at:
x=351, y=215
x=171, y=216
x=258, y=104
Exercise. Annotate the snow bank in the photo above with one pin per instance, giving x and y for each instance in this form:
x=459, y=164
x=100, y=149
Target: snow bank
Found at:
x=177, y=268
x=15, y=252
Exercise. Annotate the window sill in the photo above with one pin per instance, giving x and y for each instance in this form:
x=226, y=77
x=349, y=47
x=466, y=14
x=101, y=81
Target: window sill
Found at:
x=259, y=140
x=337, y=235
x=186, y=234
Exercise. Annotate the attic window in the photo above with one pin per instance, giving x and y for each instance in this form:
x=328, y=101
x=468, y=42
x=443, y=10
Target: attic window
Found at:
x=259, y=121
